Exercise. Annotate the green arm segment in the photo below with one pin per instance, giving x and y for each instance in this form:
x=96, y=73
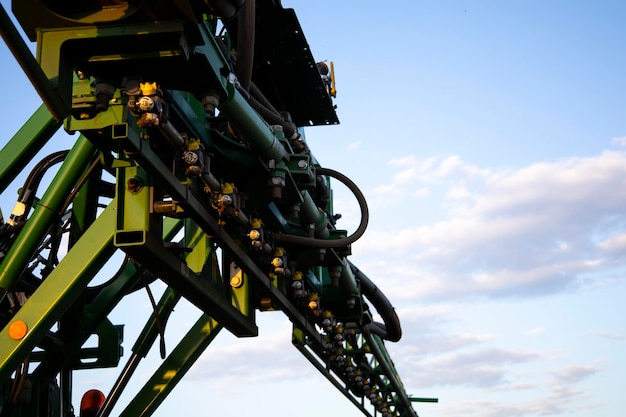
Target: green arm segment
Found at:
x=46, y=212
x=58, y=291
x=25, y=144
x=173, y=368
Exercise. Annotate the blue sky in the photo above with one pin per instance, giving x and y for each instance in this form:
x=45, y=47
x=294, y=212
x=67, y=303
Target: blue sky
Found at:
x=488, y=138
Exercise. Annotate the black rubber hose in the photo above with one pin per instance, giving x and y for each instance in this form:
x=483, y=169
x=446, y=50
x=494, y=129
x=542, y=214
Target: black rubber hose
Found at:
x=26, y=197
x=332, y=243
x=264, y=108
x=273, y=115
x=245, y=43
x=223, y=9
x=391, y=329
x=270, y=117
x=37, y=173
x=258, y=94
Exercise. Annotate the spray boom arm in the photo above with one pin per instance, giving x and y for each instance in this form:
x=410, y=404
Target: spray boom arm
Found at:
x=191, y=162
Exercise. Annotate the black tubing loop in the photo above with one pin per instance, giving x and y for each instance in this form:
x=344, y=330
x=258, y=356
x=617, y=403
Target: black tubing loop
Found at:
x=391, y=329
x=332, y=243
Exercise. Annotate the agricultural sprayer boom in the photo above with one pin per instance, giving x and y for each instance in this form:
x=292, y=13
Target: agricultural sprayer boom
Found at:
x=189, y=159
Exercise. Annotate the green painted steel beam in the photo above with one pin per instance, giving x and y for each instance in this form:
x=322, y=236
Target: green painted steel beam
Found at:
x=58, y=291
x=148, y=160
x=299, y=344
x=150, y=332
x=29, y=65
x=140, y=349
x=172, y=370
x=85, y=203
x=195, y=288
x=25, y=144
x=377, y=347
x=135, y=234
x=251, y=126
x=45, y=214
x=102, y=305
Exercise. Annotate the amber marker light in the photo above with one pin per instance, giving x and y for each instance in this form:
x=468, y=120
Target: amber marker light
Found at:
x=18, y=329
x=91, y=402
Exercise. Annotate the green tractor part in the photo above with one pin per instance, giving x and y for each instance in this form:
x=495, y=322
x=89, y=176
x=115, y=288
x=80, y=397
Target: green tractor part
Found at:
x=190, y=166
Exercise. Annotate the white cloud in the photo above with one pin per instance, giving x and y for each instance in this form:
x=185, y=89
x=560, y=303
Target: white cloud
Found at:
x=575, y=373
x=433, y=170
x=477, y=368
x=543, y=228
x=615, y=243
x=609, y=335
x=535, y=330
x=354, y=146
x=558, y=396
x=621, y=141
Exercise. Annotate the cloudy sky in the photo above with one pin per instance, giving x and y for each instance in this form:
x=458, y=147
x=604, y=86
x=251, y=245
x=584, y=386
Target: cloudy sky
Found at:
x=489, y=138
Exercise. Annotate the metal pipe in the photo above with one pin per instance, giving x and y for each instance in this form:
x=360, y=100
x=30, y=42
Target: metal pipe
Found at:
x=331, y=243
x=172, y=135
x=31, y=68
x=251, y=126
x=311, y=214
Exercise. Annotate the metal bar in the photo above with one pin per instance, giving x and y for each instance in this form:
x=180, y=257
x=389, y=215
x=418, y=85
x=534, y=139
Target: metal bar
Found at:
x=174, y=271
x=98, y=310
x=374, y=342
x=324, y=371
x=58, y=291
x=31, y=67
x=140, y=349
x=142, y=153
x=85, y=202
x=174, y=368
x=25, y=144
x=46, y=212
x=423, y=400
x=251, y=126
x=239, y=112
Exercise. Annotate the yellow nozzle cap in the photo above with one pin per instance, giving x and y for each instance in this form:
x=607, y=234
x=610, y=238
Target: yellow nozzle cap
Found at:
x=148, y=89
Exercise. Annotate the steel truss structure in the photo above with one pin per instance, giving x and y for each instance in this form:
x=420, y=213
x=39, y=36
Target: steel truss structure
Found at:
x=190, y=159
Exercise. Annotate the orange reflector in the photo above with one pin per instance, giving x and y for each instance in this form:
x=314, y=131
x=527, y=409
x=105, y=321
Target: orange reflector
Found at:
x=18, y=329
x=91, y=403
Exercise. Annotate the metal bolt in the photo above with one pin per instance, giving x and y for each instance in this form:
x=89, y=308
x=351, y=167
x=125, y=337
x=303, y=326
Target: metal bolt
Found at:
x=134, y=185
x=190, y=158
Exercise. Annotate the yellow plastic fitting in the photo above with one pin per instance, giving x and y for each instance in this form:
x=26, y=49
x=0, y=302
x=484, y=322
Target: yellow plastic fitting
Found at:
x=227, y=188
x=148, y=89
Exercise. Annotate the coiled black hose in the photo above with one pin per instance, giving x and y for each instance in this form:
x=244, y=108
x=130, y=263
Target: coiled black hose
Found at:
x=332, y=243
x=390, y=329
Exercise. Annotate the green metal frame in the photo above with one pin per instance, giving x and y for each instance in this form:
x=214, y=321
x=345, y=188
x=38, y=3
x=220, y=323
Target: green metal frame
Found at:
x=64, y=308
